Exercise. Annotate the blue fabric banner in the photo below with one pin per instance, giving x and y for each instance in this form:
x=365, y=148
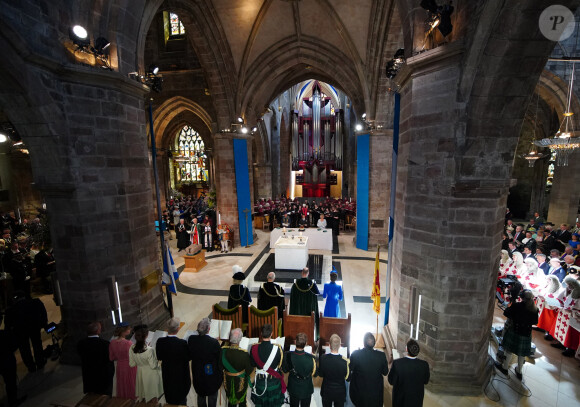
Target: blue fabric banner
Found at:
x=362, y=191
x=243, y=192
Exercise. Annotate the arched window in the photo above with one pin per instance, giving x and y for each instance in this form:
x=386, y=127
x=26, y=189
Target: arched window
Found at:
x=192, y=157
x=176, y=26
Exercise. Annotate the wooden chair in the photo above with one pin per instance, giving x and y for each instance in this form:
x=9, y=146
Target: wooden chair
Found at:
x=232, y=314
x=93, y=400
x=294, y=324
x=340, y=326
x=258, y=318
x=350, y=222
x=266, y=222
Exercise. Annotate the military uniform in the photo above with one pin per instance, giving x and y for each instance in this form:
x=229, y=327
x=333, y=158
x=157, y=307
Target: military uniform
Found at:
x=269, y=386
x=237, y=370
x=335, y=371
x=302, y=367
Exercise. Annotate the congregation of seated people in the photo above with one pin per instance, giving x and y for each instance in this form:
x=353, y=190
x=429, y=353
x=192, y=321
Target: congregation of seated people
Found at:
x=542, y=261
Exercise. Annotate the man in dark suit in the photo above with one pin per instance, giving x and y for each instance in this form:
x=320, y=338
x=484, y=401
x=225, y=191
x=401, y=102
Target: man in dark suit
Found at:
x=271, y=295
x=174, y=356
x=206, y=370
x=97, y=369
x=556, y=269
x=528, y=253
x=368, y=367
x=409, y=376
x=335, y=372
x=541, y=258
x=25, y=318
x=8, y=346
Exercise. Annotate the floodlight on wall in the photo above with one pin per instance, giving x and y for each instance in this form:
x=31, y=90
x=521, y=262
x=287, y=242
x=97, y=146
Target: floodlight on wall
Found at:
x=244, y=130
x=364, y=116
x=439, y=17
x=358, y=127
x=153, y=69
x=395, y=64
x=80, y=37
x=3, y=138
x=101, y=45
x=240, y=120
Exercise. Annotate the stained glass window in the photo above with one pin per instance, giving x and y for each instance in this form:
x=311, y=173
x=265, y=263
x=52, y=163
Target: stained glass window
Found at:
x=177, y=27
x=192, y=157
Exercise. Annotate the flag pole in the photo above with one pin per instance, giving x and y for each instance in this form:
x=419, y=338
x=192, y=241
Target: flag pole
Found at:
x=159, y=217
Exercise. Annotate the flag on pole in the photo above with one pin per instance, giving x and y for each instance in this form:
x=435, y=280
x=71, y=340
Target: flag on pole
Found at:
x=170, y=274
x=376, y=294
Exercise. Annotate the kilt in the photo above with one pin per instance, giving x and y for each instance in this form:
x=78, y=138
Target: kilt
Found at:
x=272, y=397
x=516, y=344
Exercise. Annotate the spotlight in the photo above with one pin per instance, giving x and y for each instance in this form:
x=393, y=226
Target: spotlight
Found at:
x=254, y=129
x=364, y=116
x=358, y=127
x=153, y=69
x=3, y=138
x=79, y=36
x=445, y=27
x=244, y=130
x=101, y=44
x=395, y=64
x=240, y=120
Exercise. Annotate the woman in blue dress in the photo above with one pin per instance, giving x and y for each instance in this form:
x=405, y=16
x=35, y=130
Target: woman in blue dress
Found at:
x=333, y=294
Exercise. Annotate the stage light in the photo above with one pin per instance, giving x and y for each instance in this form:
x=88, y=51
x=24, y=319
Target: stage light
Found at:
x=153, y=69
x=395, y=64
x=3, y=138
x=101, y=44
x=364, y=116
x=358, y=127
x=244, y=130
x=240, y=120
x=79, y=36
x=254, y=129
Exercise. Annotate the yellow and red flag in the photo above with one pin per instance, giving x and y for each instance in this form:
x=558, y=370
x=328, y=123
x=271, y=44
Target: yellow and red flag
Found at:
x=376, y=294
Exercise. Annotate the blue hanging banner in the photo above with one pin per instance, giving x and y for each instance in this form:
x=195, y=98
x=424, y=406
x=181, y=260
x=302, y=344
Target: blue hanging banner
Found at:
x=362, y=191
x=243, y=192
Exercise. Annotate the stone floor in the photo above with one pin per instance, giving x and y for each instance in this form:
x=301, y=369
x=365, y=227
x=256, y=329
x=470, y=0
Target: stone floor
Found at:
x=549, y=379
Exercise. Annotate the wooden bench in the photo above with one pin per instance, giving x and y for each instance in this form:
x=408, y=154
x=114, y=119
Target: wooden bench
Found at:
x=257, y=319
x=294, y=324
x=340, y=326
x=232, y=314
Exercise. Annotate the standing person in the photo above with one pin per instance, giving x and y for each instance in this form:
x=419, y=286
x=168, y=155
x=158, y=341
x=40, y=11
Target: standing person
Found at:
x=207, y=234
x=196, y=232
x=237, y=370
x=174, y=356
x=97, y=369
x=25, y=318
x=304, y=297
x=181, y=235
x=271, y=295
x=8, y=346
x=239, y=294
x=368, y=367
x=206, y=371
x=148, y=384
x=119, y=351
x=409, y=376
x=302, y=367
x=269, y=385
x=321, y=222
x=224, y=237
x=45, y=265
x=517, y=337
x=335, y=372
x=333, y=293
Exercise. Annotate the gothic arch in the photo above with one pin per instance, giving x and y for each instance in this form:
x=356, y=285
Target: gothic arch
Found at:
x=554, y=90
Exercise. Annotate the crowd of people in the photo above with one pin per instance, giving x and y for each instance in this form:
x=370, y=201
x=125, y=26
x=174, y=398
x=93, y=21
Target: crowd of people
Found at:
x=299, y=212
x=539, y=275
x=171, y=368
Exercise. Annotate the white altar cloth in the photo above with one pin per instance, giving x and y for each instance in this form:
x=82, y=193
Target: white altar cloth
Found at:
x=317, y=239
x=291, y=254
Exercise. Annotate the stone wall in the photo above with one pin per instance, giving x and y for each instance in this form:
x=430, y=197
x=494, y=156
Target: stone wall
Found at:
x=379, y=187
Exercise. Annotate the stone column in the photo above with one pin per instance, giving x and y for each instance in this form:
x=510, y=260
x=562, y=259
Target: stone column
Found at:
x=262, y=180
x=565, y=193
x=92, y=165
x=379, y=187
x=448, y=220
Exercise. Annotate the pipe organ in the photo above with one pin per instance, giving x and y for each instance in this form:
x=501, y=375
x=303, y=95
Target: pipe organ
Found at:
x=317, y=144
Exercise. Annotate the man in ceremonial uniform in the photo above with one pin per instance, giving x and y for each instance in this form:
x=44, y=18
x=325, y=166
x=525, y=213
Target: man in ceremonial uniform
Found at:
x=239, y=294
x=335, y=372
x=368, y=368
x=304, y=297
x=269, y=386
x=173, y=353
x=301, y=366
x=271, y=295
x=237, y=370
x=196, y=232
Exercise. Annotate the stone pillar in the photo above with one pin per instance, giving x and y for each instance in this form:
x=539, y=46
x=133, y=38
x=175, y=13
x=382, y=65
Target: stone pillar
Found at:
x=565, y=193
x=262, y=180
x=449, y=215
x=92, y=165
x=225, y=180
x=379, y=187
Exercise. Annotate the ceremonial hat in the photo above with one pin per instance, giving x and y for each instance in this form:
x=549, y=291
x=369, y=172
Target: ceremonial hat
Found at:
x=239, y=276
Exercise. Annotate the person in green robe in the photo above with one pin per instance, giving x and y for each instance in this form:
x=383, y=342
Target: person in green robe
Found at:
x=304, y=297
x=237, y=370
x=301, y=367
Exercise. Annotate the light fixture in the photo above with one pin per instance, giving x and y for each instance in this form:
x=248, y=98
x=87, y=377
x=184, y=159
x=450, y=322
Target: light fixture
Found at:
x=79, y=36
x=3, y=138
x=244, y=130
x=532, y=156
x=395, y=64
x=240, y=120
x=254, y=129
x=153, y=69
x=439, y=17
x=101, y=45
x=563, y=142
x=364, y=116
x=358, y=127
